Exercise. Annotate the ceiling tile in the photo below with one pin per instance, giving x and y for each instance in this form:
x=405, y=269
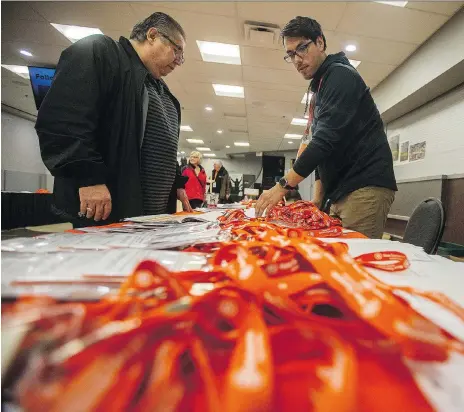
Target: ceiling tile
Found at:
x=197, y=26
x=371, y=49
x=32, y=32
x=268, y=75
x=448, y=8
x=214, y=8
x=102, y=15
x=388, y=22
x=328, y=14
x=374, y=73
x=19, y=10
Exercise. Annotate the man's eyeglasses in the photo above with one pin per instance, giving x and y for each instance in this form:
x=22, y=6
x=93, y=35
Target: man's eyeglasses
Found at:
x=300, y=51
x=179, y=53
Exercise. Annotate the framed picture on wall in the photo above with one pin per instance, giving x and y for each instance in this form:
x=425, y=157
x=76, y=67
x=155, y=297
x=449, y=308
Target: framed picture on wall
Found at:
x=394, y=143
x=404, y=152
x=417, y=151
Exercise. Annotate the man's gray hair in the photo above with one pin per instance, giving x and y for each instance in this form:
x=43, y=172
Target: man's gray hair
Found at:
x=217, y=162
x=160, y=21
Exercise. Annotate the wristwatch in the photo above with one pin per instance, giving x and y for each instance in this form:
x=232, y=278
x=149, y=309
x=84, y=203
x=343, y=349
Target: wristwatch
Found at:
x=284, y=184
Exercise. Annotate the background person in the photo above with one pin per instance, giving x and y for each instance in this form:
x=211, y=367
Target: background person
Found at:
x=220, y=182
x=196, y=184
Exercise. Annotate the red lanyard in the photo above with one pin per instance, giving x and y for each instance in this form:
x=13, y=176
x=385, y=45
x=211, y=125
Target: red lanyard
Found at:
x=399, y=261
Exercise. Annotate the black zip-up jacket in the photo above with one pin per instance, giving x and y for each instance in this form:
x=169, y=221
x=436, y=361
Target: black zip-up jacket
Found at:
x=91, y=126
x=349, y=146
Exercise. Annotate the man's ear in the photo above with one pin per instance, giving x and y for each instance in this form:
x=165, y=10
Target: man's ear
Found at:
x=320, y=43
x=151, y=34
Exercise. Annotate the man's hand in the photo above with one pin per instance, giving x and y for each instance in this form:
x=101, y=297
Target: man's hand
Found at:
x=95, y=202
x=182, y=196
x=269, y=198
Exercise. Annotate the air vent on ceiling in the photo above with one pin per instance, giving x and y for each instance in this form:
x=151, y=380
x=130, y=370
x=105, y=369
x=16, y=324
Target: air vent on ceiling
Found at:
x=261, y=34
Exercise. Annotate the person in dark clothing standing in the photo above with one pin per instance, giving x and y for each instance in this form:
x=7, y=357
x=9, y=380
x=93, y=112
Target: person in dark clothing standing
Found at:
x=220, y=182
x=348, y=149
x=109, y=126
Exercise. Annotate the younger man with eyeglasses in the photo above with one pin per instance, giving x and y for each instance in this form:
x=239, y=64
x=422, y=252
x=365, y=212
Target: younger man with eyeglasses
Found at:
x=348, y=149
x=109, y=126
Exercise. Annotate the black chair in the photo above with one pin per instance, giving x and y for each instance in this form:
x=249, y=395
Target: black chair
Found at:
x=426, y=225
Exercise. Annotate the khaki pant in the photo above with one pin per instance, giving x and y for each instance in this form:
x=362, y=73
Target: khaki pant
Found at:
x=365, y=210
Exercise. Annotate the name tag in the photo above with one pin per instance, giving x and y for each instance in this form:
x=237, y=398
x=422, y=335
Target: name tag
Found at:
x=214, y=185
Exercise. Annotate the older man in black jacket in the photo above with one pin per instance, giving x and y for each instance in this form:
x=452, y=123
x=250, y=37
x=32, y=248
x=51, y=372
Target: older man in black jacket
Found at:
x=109, y=126
x=348, y=149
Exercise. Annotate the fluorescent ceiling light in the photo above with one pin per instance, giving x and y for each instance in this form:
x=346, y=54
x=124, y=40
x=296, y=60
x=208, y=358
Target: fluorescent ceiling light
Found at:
x=195, y=141
x=219, y=131
x=355, y=63
x=203, y=149
x=22, y=71
x=299, y=122
x=186, y=128
x=208, y=108
x=227, y=147
x=229, y=91
x=246, y=144
x=26, y=53
x=394, y=3
x=209, y=155
x=350, y=48
x=303, y=100
x=219, y=52
x=182, y=152
x=293, y=136
x=290, y=142
x=75, y=33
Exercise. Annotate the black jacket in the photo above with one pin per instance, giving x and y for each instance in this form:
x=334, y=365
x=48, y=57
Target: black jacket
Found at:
x=91, y=125
x=222, y=181
x=349, y=146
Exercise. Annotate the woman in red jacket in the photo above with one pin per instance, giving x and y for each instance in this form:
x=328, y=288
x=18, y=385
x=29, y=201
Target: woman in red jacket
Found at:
x=196, y=184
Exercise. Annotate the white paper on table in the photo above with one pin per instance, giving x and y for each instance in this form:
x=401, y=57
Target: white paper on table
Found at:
x=155, y=218
x=73, y=265
x=230, y=206
x=357, y=247
x=102, y=241
x=439, y=315
x=250, y=212
x=442, y=383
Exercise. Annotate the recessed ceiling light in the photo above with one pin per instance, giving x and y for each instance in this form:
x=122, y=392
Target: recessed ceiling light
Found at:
x=75, y=33
x=350, y=48
x=182, y=152
x=290, y=142
x=355, y=63
x=219, y=52
x=303, y=100
x=299, y=122
x=293, y=136
x=26, y=53
x=209, y=155
x=204, y=149
x=219, y=131
x=208, y=108
x=186, y=128
x=241, y=144
x=22, y=71
x=229, y=91
x=227, y=147
x=195, y=141
x=394, y=3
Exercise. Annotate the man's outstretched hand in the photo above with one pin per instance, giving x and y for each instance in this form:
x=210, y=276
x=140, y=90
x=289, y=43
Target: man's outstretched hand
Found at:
x=269, y=198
